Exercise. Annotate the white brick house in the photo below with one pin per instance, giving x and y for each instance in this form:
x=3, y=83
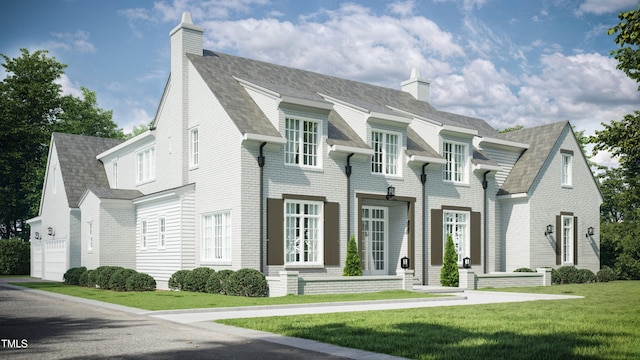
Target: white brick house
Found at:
x=255, y=165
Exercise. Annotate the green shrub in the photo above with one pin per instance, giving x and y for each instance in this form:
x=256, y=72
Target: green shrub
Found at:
x=449, y=275
x=141, y=282
x=103, y=275
x=606, y=274
x=585, y=276
x=176, y=281
x=555, y=277
x=72, y=276
x=118, y=280
x=627, y=267
x=568, y=275
x=352, y=265
x=15, y=257
x=247, y=282
x=196, y=280
x=217, y=283
x=86, y=279
x=524, y=270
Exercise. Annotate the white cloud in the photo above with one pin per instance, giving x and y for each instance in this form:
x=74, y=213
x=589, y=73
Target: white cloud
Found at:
x=78, y=41
x=402, y=8
x=600, y=7
x=134, y=116
x=68, y=86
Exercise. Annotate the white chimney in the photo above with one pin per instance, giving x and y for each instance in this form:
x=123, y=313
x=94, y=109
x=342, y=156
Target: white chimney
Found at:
x=186, y=38
x=417, y=86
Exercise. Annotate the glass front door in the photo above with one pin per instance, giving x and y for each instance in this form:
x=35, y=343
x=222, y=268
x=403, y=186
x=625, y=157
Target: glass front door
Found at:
x=375, y=240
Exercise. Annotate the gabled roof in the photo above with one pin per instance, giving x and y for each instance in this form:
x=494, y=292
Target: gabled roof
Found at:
x=222, y=73
x=542, y=139
x=78, y=165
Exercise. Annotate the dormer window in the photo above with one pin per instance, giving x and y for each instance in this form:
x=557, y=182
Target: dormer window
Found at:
x=456, y=155
x=303, y=142
x=387, y=150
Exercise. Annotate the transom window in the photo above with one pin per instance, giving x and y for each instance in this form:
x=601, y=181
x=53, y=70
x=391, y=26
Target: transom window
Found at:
x=146, y=164
x=193, y=147
x=303, y=222
x=216, y=236
x=386, y=151
x=456, y=154
x=456, y=224
x=567, y=239
x=566, y=169
x=303, y=142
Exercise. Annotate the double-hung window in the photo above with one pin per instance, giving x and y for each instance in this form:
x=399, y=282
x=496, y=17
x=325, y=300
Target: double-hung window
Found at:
x=146, y=164
x=567, y=239
x=456, y=156
x=567, y=159
x=303, y=142
x=303, y=232
x=193, y=147
x=216, y=236
x=456, y=224
x=162, y=232
x=90, y=236
x=143, y=234
x=114, y=174
x=386, y=153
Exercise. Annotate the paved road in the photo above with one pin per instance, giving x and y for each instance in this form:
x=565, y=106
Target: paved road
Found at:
x=46, y=327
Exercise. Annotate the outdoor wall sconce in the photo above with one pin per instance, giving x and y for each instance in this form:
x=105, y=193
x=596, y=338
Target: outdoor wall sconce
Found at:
x=37, y=235
x=589, y=231
x=50, y=231
x=404, y=263
x=391, y=192
x=466, y=263
x=549, y=230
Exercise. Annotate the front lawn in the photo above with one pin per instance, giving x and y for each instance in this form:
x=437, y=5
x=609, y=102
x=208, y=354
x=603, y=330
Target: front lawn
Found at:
x=603, y=325
x=176, y=300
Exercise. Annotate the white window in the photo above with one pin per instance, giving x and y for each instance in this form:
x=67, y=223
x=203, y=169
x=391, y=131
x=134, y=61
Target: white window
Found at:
x=567, y=159
x=456, y=155
x=193, y=147
x=143, y=234
x=303, y=142
x=115, y=174
x=567, y=239
x=216, y=236
x=387, y=151
x=90, y=237
x=162, y=232
x=54, y=179
x=146, y=164
x=456, y=224
x=303, y=232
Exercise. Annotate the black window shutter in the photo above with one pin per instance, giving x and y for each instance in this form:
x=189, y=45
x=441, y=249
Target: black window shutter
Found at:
x=575, y=240
x=331, y=233
x=275, y=232
x=558, y=240
x=476, y=238
x=436, y=237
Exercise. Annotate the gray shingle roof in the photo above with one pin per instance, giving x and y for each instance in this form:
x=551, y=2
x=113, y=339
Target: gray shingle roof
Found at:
x=417, y=146
x=118, y=194
x=541, y=140
x=481, y=158
x=218, y=71
x=78, y=164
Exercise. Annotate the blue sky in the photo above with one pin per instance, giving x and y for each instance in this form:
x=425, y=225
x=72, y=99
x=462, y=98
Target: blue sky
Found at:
x=509, y=62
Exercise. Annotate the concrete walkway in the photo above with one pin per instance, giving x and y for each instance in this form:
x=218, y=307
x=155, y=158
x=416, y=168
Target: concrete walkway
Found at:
x=203, y=318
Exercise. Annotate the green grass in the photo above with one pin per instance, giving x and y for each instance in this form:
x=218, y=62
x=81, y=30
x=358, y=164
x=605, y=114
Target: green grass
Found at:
x=603, y=325
x=175, y=300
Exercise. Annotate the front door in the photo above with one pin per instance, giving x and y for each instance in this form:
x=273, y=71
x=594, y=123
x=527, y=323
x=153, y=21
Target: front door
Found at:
x=375, y=240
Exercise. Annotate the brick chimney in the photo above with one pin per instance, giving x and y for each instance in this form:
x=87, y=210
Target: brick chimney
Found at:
x=417, y=86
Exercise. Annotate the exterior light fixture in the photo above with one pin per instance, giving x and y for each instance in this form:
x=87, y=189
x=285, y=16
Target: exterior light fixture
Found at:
x=549, y=230
x=37, y=236
x=391, y=192
x=50, y=231
x=466, y=263
x=404, y=263
x=589, y=231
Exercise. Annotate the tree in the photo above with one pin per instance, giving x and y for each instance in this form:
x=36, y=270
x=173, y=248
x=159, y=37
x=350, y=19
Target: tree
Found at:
x=352, y=266
x=31, y=108
x=627, y=34
x=449, y=275
x=510, y=129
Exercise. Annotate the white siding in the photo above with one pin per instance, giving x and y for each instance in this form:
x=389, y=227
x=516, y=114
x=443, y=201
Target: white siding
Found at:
x=517, y=232
x=505, y=158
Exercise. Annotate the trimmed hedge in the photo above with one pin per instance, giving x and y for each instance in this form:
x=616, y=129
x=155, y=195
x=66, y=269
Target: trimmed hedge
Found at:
x=572, y=275
x=606, y=274
x=118, y=280
x=87, y=279
x=141, y=282
x=103, y=275
x=247, y=282
x=196, y=279
x=72, y=276
x=15, y=257
x=524, y=270
x=177, y=280
x=217, y=283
